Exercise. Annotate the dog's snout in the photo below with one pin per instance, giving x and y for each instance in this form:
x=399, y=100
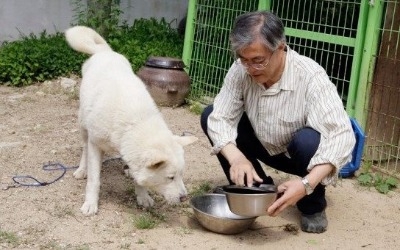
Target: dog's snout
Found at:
x=183, y=198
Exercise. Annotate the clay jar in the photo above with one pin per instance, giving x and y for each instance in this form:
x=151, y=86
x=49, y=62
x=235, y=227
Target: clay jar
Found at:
x=166, y=80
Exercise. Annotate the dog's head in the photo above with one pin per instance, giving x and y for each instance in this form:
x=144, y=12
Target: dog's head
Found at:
x=159, y=165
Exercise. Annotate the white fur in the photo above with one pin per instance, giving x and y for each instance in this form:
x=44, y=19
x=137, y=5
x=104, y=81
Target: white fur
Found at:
x=117, y=113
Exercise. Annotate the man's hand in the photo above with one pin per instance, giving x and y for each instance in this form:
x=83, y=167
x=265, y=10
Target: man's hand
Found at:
x=242, y=169
x=240, y=166
x=293, y=190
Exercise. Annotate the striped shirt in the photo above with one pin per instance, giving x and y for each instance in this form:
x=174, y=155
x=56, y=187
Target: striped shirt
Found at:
x=303, y=97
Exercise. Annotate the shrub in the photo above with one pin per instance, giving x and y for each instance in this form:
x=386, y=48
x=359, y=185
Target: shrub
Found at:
x=37, y=58
x=145, y=38
x=44, y=57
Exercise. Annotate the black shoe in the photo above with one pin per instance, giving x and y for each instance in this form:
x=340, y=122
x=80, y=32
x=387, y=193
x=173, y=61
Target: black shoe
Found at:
x=314, y=223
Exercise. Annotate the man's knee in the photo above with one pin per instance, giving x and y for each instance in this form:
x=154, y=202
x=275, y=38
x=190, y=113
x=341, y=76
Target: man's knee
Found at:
x=304, y=143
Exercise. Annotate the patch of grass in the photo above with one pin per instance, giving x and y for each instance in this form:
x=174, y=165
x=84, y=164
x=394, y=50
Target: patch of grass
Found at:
x=145, y=221
x=203, y=188
x=9, y=238
x=195, y=107
x=368, y=178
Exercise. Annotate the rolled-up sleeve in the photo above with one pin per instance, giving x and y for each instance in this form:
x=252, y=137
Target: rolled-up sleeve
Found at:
x=327, y=116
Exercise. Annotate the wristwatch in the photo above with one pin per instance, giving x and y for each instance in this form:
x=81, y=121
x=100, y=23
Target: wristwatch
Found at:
x=307, y=186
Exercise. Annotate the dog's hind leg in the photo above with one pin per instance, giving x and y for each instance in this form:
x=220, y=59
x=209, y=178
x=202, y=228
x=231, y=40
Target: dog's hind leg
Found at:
x=94, y=155
x=81, y=172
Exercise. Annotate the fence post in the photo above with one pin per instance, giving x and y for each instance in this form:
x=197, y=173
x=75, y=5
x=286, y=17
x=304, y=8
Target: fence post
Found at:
x=189, y=34
x=368, y=61
x=356, y=64
x=264, y=4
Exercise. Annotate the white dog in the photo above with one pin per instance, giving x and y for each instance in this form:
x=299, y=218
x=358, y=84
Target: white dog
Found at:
x=117, y=113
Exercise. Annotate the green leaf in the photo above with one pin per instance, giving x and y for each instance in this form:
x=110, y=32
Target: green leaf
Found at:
x=392, y=182
x=365, y=179
x=382, y=188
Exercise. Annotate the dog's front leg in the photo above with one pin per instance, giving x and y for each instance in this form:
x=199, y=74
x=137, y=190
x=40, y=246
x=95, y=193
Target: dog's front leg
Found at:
x=142, y=196
x=94, y=155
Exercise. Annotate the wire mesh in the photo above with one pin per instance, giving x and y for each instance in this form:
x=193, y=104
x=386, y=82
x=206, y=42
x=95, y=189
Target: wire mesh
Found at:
x=336, y=59
x=383, y=124
x=211, y=56
x=332, y=17
x=336, y=18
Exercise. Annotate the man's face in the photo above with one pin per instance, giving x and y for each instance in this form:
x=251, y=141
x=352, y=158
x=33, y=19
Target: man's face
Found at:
x=259, y=61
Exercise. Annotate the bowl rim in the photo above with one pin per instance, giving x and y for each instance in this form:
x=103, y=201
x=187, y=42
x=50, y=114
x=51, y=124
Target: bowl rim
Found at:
x=241, y=217
x=263, y=189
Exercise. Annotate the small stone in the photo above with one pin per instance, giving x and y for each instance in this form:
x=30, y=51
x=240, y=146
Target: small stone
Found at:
x=68, y=84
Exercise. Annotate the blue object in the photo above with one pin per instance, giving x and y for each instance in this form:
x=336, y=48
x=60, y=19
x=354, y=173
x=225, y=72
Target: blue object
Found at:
x=349, y=169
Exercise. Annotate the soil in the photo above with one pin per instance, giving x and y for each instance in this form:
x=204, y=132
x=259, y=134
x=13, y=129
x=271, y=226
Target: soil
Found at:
x=39, y=125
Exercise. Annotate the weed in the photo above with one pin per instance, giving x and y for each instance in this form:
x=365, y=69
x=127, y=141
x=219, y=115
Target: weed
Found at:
x=9, y=238
x=203, y=188
x=145, y=221
x=195, y=107
x=101, y=15
x=382, y=184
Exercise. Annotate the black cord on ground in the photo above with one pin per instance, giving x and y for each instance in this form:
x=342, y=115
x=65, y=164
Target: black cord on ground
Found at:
x=27, y=180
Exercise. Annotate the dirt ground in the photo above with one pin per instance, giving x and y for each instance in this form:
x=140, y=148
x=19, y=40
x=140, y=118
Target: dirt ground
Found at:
x=39, y=125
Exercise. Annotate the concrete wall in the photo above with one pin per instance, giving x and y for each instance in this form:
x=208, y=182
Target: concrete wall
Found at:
x=33, y=16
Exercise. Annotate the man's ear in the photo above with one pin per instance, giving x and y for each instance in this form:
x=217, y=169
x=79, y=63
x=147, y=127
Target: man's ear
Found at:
x=185, y=140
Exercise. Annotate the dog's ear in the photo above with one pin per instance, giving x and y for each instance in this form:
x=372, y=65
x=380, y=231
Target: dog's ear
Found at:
x=155, y=160
x=156, y=165
x=185, y=140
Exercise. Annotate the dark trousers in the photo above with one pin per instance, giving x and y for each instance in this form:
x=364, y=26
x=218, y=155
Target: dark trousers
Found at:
x=301, y=149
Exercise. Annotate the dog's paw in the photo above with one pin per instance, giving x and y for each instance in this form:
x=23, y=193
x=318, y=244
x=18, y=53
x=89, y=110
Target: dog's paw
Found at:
x=79, y=174
x=145, y=200
x=89, y=209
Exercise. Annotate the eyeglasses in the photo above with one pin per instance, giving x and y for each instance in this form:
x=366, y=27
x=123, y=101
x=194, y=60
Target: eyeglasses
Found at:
x=257, y=66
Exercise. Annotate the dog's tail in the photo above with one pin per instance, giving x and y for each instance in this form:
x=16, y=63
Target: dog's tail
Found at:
x=86, y=40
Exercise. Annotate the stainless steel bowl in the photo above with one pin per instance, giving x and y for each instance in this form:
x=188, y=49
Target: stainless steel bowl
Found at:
x=212, y=212
x=250, y=201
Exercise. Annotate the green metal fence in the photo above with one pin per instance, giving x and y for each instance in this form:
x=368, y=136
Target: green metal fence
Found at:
x=341, y=35
x=330, y=32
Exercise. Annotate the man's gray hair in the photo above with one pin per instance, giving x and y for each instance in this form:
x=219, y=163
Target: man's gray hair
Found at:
x=251, y=26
